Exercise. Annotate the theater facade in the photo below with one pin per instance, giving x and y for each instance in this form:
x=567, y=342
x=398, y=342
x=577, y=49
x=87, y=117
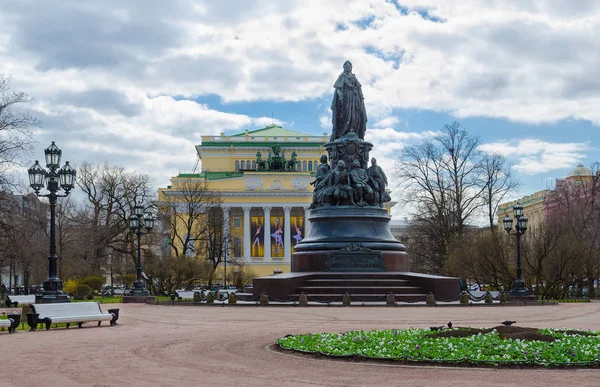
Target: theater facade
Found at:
x=263, y=179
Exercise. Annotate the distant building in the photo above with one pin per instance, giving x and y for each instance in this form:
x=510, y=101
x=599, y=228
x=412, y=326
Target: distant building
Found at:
x=534, y=208
x=538, y=206
x=265, y=209
x=574, y=189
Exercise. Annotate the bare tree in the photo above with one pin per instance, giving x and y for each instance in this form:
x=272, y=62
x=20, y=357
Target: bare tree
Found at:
x=183, y=215
x=575, y=204
x=15, y=128
x=497, y=182
x=25, y=243
x=216, y=241
x=111, y=195
x=442, y=182
x=482, y=256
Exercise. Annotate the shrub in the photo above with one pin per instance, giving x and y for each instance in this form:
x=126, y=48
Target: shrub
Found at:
x=82, y=291
x=128, y=279
x=70, y=285
x=243, y=277
x=94, y=281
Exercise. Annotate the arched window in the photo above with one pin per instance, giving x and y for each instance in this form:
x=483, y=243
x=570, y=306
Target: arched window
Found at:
x=316, y=164
x=304, y=165
x=237, y=165
x=310, y=166
x=254, y=164
x=237, y=247
x=189, y=249
x=248, y=164
x=243, y=165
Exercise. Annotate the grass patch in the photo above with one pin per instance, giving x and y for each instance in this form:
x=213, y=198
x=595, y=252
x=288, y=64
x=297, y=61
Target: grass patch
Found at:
x=102, y=300
x=468, y=346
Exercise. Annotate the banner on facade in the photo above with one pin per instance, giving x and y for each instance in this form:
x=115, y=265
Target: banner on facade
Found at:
x=297, y=227
x=257, y=235
x=277, y=237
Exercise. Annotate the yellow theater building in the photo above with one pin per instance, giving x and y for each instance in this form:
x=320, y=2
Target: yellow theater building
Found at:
x=264, y=203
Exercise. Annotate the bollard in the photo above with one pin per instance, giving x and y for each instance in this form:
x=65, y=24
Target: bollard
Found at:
x=264, y=299
x=390, y=299
x=210, y=298
x=430, y=299
x=346, y=299
x=32, y=320
x=488, y=298
x=303, y=301
x=232, y=299
x=464, y=298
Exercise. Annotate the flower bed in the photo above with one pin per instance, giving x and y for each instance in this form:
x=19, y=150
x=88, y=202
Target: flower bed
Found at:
x=467, y=346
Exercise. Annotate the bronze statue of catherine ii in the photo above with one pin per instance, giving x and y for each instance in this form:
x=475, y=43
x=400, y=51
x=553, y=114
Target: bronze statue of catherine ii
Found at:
x=348, y=106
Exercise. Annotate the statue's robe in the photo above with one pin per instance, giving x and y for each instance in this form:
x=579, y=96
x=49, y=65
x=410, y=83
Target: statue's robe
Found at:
x=348, y=107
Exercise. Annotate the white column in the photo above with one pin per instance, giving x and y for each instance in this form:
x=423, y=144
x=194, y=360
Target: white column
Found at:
x=247, y=241
x=287, y=241
x=267, y=228
x=226, y=228
x=306, y=222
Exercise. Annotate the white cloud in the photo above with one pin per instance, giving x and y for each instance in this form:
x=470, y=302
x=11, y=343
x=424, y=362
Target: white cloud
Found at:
x=325, y=121
x=386, y=122
x=524, y=61
x=388, y=143
x=532, y=156
x=123, y=85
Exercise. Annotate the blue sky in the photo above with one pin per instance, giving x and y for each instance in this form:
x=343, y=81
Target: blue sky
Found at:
x=138, y=83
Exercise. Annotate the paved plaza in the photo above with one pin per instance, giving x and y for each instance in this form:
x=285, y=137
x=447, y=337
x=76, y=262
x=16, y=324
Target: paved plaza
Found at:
x=230, y=346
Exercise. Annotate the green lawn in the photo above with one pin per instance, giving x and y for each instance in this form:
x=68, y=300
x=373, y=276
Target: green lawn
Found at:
x=102, y=300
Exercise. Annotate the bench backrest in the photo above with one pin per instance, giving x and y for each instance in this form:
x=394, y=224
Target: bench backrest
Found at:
x=30, y=299
x=67, y=309
x=185, y=293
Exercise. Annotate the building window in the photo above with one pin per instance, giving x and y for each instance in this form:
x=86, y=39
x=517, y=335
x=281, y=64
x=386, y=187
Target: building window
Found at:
x=248, y=164
x=237, y=165
x=310, y=165
x=304, y=165
x=237, y=222
x=243, y=165
x=237, y=247
x=254, y=165
x=316, y=164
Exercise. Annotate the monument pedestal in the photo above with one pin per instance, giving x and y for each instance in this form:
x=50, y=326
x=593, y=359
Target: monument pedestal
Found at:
x=350, y=249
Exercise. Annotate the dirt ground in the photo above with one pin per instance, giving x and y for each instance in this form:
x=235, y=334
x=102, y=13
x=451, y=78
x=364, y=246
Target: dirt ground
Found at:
x=229, y=346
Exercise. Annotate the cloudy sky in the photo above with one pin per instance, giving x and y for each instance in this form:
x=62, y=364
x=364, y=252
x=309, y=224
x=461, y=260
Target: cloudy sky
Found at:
x=137, y=83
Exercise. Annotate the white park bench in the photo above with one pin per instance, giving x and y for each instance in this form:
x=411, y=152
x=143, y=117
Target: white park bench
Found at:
x=19, y=300
x=8, y=323
x=72, y=312
x=185, y=294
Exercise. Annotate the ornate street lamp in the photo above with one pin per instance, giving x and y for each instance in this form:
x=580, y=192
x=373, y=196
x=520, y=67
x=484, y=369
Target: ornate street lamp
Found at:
x=138, y=221
x=518, y=288
x=53, y=178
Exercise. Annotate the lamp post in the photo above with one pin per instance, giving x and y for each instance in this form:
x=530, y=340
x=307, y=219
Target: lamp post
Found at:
x=53, y=178
x=138, y=221
x=518, y=288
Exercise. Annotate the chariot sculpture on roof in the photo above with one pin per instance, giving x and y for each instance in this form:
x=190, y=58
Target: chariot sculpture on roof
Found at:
x=276, y=160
